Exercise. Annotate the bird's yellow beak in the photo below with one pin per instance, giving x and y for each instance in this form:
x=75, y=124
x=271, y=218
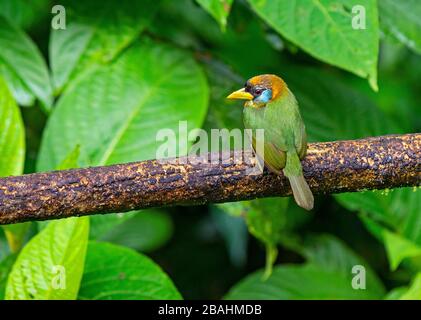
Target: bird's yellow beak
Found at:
x=241, y=94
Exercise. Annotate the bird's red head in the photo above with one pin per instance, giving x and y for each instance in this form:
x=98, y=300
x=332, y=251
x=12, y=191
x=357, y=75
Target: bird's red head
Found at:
x=261, y=89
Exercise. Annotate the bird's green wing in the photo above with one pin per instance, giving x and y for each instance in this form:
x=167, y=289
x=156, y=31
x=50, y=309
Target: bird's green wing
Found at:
x=301, y=140
x=273, y=158
x=285, y=125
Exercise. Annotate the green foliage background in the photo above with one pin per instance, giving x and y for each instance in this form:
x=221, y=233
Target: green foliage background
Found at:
x=97, y=92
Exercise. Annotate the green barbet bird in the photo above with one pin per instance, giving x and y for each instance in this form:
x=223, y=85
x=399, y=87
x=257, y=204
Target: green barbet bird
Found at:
x=272, y=106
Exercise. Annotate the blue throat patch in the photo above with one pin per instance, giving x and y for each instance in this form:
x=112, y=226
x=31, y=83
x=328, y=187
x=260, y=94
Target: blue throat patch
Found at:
x=264, y=97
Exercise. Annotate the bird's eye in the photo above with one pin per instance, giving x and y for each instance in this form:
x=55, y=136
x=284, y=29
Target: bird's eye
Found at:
x=258, y=91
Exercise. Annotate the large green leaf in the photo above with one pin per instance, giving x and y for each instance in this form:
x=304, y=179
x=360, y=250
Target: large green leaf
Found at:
x=290, y=282
x=96, y=32
x=15, y=234
x=219, y=9
x=6, y=265
x=50, y=266
x=71, y=160
x=332, y=254
x=4, y=247
x=48, y=244
x=114, y=272
x=324, y=29
x=326, y=275
x=12, y=154
x=23, y=67
x=402, y=20
x=398, y=248
x=12, y=134
x=25, y=13
x=414, y=291
x=393, y=216
x=114, y=114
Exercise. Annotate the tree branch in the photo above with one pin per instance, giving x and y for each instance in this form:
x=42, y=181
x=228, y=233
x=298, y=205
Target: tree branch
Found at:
x=331, y=167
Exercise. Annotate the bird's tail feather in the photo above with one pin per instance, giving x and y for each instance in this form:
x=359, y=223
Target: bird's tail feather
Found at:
x=293, y=170
x=301, y=191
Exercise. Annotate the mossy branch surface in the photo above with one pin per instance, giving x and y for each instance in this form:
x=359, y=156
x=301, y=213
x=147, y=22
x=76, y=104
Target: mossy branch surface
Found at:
x=330, y=167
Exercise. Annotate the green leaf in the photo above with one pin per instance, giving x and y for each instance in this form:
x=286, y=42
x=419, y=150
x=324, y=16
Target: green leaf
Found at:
x=114, y=114
x=332, y=254
x=15, y=235
x=12, y=154
x=23, y=67
x=114, y=272
x=266, y=217
x=5, y=267
x=218, y=9
x=326, y=275
x=402, y=20
x=25, y=14
x=12, y=134
x=289, y=282
x=71, y=161
x=324, y=29
x=393, y=216
x=146, y=231
x=4, y=246
x=50, y=266
x=395, y=293
x=236, y=209
x=96, y=33
x=399, y=248
x=414, y=291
